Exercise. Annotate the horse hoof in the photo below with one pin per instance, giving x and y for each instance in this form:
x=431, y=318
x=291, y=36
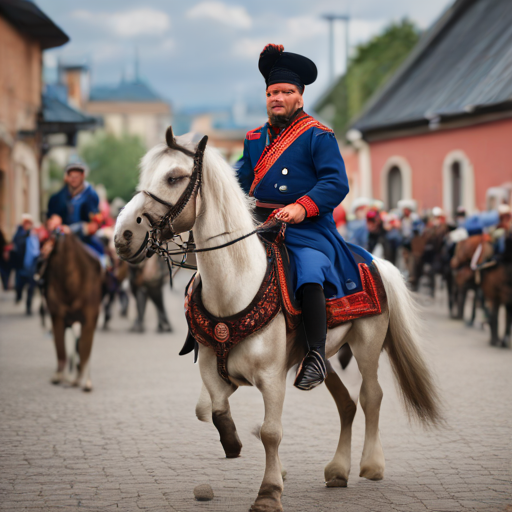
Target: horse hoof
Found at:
x=87, y=388
x=372, y=474
x=266, y=504
x=268, y=500
x=58, y=378
x=336, y=482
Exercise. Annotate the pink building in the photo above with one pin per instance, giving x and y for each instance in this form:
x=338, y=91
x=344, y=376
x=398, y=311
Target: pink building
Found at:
x=440, y=131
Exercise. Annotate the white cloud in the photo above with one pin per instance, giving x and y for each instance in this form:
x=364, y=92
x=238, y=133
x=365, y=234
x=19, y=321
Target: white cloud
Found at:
x=302, y=27
x=292, y=31
x=137, y=22
x=234, y=16
x=249, y=47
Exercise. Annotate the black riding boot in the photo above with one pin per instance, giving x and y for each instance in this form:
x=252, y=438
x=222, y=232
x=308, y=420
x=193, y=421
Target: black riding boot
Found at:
x=312, y=371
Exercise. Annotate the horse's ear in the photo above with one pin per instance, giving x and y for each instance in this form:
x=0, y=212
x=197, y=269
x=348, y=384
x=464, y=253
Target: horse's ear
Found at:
x=169, y=138
x=202, y=145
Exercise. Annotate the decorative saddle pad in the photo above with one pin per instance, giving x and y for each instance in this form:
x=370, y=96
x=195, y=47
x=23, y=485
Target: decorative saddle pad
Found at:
x=222, y=334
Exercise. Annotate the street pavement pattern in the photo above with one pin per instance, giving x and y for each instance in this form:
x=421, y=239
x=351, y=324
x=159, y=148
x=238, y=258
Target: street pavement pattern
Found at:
x=134, y=443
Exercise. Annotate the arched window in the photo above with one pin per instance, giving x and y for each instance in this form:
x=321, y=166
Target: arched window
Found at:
x=458, y=182
x=395, y=181
x=456, y=176
x=395, y=192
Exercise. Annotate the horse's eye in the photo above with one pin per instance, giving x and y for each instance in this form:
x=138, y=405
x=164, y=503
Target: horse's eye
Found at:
x=172, y=181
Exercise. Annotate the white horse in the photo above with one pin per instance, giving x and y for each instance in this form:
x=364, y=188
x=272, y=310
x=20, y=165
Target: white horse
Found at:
x=231, y=277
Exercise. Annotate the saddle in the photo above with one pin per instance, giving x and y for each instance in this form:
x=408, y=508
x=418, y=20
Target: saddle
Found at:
x=274, y=295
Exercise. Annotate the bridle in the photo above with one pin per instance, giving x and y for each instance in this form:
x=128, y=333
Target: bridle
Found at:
x=154, y=243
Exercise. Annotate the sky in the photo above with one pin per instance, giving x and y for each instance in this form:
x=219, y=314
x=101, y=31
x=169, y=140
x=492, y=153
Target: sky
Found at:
x=198, y=53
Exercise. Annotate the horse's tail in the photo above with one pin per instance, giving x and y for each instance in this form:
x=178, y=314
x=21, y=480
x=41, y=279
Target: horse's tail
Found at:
x=419, y=392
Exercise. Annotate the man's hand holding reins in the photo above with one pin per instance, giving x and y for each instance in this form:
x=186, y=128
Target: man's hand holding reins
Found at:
x=292, y=214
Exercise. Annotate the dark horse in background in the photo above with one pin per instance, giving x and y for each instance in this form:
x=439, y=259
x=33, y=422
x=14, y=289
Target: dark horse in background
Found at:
x=73, y=290
x=427, y=257
x=147, y=280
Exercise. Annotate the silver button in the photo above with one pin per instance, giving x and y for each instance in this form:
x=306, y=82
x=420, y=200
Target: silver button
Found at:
x=284, y=171
x=283, y=188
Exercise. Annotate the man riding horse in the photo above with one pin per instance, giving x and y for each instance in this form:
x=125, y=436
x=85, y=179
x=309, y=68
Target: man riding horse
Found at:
x=293, y=163
x=75, y=206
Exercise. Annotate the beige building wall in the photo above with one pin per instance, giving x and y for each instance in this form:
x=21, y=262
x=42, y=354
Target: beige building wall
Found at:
x=148, y=120
x=20, y=101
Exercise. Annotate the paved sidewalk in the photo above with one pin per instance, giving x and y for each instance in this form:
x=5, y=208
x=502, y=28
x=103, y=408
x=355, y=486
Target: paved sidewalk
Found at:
x=134, y=442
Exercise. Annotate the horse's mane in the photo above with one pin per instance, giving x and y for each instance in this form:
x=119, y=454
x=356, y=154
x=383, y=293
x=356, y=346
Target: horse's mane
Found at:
x=220, y=189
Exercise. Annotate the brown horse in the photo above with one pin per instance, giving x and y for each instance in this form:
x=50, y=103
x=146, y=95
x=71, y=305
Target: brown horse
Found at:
x=73, y=292
x=496, y=283
x=426, y=256
x=463, y=276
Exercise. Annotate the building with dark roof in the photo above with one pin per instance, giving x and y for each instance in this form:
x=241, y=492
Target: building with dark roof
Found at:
x=439, y=130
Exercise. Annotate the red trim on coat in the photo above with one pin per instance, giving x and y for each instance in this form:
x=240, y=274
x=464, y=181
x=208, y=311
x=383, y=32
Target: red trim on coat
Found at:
x=309, y=205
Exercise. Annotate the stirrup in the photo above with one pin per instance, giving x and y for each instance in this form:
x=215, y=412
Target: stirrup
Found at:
x=311, y=372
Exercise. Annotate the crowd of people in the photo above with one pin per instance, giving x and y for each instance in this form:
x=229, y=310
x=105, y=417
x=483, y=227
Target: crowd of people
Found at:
x=389, y=234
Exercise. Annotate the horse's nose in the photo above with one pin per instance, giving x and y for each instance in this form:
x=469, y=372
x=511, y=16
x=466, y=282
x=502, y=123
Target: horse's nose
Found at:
x=127, y=234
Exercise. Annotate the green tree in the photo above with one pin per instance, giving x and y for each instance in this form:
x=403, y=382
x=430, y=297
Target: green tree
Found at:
x=114, y=162
x=372, y=64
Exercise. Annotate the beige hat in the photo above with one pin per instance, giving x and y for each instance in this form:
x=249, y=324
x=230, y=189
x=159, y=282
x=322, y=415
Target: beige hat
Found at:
x=27, y=216
x=77, y=167
x=504, y=209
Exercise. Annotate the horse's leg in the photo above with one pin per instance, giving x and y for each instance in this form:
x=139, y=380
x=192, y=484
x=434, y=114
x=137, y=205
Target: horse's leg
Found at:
x=156, y=295
x=140, y=301
x=269, y=495
x=85, y=347
x=123, y=300
x=337, y=471
x=108, y=309
x=366, y=342
x=59, y=329
x=220, y=391
x=493, y=323
x=508, y=328
x=473, y=309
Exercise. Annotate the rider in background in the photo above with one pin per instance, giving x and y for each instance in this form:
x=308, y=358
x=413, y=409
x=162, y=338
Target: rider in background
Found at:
x=75, y=207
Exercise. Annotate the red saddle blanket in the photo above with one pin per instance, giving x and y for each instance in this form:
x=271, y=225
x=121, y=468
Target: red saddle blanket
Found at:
x=222, y=334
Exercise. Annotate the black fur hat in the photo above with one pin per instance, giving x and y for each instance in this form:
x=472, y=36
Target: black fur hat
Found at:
x=278, y=66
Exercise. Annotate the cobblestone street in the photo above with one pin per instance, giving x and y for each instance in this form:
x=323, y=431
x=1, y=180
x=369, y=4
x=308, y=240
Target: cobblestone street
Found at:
x=134, y=443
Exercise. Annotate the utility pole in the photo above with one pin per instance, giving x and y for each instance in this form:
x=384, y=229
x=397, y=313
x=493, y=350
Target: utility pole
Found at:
x=331, y=18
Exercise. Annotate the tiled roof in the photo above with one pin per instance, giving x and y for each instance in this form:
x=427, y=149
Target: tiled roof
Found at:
x=136, y=91
x=59, y=116
x=461, y=67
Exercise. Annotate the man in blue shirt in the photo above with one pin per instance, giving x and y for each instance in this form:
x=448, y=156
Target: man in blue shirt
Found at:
x=24, y=258
x=293, y=163
x=76, y=204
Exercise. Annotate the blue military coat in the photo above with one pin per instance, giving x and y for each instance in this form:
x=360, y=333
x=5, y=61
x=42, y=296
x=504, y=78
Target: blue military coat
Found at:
x=74, y=210
x=311, y=172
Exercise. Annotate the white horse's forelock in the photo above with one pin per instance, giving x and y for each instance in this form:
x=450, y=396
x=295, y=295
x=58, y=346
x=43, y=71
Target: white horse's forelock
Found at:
x=149, y=163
